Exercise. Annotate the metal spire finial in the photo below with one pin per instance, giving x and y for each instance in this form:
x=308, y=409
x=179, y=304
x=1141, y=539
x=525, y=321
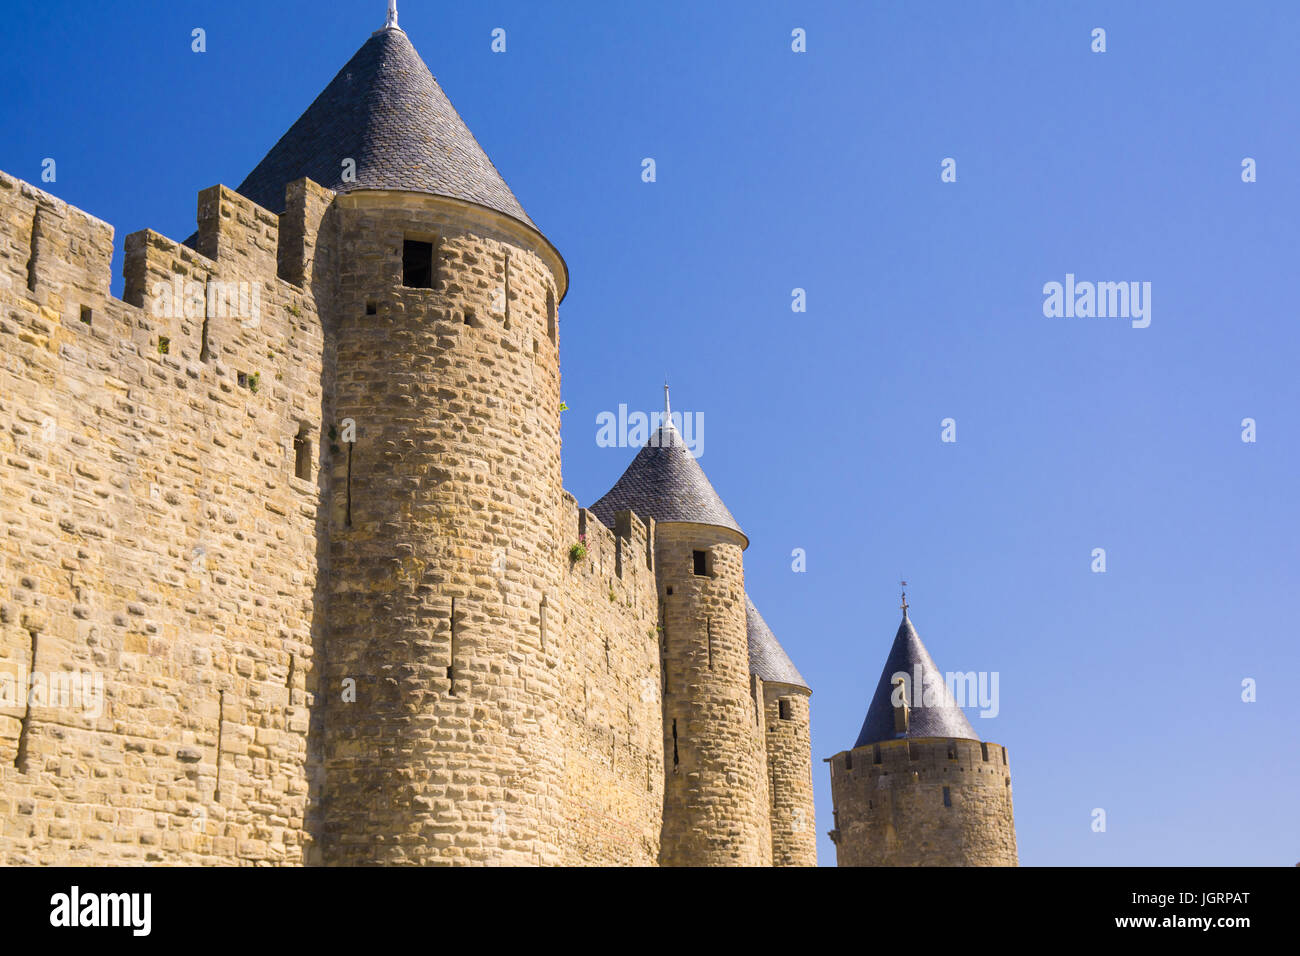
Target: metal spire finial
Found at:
x=392, y=16
x=904, y=583
x=668, y=409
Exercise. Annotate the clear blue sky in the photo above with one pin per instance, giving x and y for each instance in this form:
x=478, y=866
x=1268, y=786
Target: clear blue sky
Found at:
x=821, y=170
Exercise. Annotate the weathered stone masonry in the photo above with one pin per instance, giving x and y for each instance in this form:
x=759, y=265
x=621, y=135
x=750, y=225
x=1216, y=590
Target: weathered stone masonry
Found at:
x=293, y=509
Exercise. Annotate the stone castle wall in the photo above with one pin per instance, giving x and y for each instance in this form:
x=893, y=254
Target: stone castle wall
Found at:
x=266, y=607
x=925, y=802
x=788, y=732
x=613, y=722
x=153, y=532
x=716, y=805
x=443, y=543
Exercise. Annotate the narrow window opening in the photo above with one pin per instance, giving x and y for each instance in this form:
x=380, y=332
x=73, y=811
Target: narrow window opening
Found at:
x=875, y=753
x=913, y=751
x=417, y=264
x=708, y=629
x=293, y=664
x=952, y=750
x=164, y=345
x=86, y=314
x=550, y=315
x=984, y=750
x=848, y=760
x=701, y=562
x=372, y=308
x=468, y=318
x=204, y=354
x=1004, y=756
x=242, y=379
x=451, y=654
x=302, y=453
x=670, y=590
x=675, y=757
x=348, y=486
x=783, y=708
x=649, y=773
x=947, y=797
x=606, y=652
x=221, y=726
x=31, y=260
x=541, y=614
x=506, y=290
x=20, y=755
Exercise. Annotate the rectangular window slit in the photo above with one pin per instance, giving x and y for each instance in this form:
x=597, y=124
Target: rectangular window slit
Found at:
x=541, y=622
x=506, y=290
x=349, y=486
x=417, y=264
x=947, y=797
x=20, y=756
x=86, y=314
x=31, y=261
x=221, y=726
x=451, y=653
x=701, y=562
x=204, y=354
x=302, y=453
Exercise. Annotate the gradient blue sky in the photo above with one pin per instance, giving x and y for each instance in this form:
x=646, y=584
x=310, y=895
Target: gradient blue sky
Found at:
x=822, y=430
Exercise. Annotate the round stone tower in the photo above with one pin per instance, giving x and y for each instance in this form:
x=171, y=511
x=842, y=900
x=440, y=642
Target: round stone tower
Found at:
x=716, y=806
x=919, y=788
x=788, y=737
x=440, y=738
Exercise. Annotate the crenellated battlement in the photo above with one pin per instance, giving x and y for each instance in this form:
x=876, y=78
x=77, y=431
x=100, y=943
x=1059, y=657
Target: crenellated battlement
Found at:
x=923, y=757
x=241, y=307
x=293, y=506
x=159, y=482
x=926, y=801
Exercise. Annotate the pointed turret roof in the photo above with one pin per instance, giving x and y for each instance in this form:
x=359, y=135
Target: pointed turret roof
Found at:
x=666, y=483
x=943, y=718
x=385, y=111
x=767, y=658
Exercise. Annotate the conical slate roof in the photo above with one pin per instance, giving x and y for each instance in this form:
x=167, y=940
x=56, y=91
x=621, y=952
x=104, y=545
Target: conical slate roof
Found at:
x=767, y=658
x=385, y=111
x=666, y=483
x=942, y=719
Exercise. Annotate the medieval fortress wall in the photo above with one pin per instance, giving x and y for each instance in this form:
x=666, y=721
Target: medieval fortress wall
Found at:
x=153, y=533
x=267, y=605
x=923, y=802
